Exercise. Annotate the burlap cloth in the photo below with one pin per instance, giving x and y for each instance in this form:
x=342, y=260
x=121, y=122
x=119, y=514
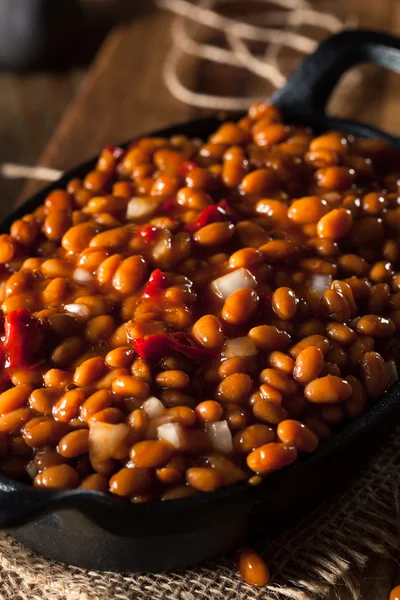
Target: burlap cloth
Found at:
x=328, y=548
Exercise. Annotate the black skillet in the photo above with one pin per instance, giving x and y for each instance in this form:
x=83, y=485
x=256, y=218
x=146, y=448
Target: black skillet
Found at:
x=96, y=531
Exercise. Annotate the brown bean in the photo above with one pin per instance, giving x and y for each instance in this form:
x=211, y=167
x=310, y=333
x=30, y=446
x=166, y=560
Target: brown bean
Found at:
x=253, y=437
x=58, y=476
x=240, y=306
x=374, y=374
x=335, y=224
x=328, y=390
x=278, y=380
x=375, y=326
x=308, y=365
x=235, y=388
x=74, y=443
x=128, y=386
x=14, y=398
x=271, y=457
x=130, y=481
x=151, y=453
x=268, y=337
x=214, y=234
x=284, y=303
x=309, y=209
x=282, y=362
x=312, y=340
x=204, y=479
x=253, y=569
x=208, y=331
x=297, y=435
x=269, y=412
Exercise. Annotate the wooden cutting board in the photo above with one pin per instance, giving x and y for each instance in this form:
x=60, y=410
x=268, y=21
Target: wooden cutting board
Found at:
x=123, y=95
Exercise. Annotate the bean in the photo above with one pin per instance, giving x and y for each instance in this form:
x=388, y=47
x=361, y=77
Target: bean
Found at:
x=341, y=333
x=58, y=476
x=253, y=437
x=240, y=306
x=307, y=210
x=278, y=380
x=260, y=181
x=214, y=234
x=297, y=435
x=128, y=386
x=319, y=341
x=204, y=479
x=271, y=457
x=42, y=400
x=236, y=415
x=208, y=331
x=95, y=482
x=375, y=326
x=209, y=411
x=119, y=357
x=12, y=421
x=74, y=443
x=235, y=388
x=336, y=224
x=269, y=412
x=357, y=403
x=374, y=374
x=282, y=362
x=43, y=431
x=14, y=398
x=328, y=390
x=89, y=371
x=284, y=303
x=270, y=393
x=308, y=365
x=69, y=405
x=253, y=569
x=178, y=380
x=268, y=337
x=151, y=453
x=130, y=481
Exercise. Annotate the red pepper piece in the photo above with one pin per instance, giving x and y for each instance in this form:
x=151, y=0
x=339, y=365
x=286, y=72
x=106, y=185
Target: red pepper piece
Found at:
x=186, y=167
x=148, y=233
x=22, y=338
x=156, y=346
x=211, y=214
x=157, y=283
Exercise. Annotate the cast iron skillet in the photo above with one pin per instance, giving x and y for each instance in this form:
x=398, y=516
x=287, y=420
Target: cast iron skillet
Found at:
x=95, y=531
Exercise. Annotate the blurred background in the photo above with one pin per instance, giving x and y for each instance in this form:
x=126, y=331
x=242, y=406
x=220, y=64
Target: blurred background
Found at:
x=78, y=74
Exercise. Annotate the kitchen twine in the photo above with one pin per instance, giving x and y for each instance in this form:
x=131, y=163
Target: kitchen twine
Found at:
x=330, y=547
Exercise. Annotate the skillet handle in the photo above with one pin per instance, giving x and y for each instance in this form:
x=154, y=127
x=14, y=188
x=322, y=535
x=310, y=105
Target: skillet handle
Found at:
x=309, y=88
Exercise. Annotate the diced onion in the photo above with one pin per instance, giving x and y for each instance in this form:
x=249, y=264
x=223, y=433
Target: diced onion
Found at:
x=79, y=310
x=106, y=439
x=220, y=436
x=320, y=283
x=82, y=276
x=141, y=207
x=242, y=346
x=31, y=469
x=153, y=407
x=172, y=433
x=391, y=371
x=227, y=284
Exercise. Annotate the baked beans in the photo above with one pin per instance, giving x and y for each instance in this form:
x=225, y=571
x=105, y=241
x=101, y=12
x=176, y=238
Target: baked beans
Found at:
x=193, y=314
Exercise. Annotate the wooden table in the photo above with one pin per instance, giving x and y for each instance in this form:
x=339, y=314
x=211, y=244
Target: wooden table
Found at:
x=123, y=95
